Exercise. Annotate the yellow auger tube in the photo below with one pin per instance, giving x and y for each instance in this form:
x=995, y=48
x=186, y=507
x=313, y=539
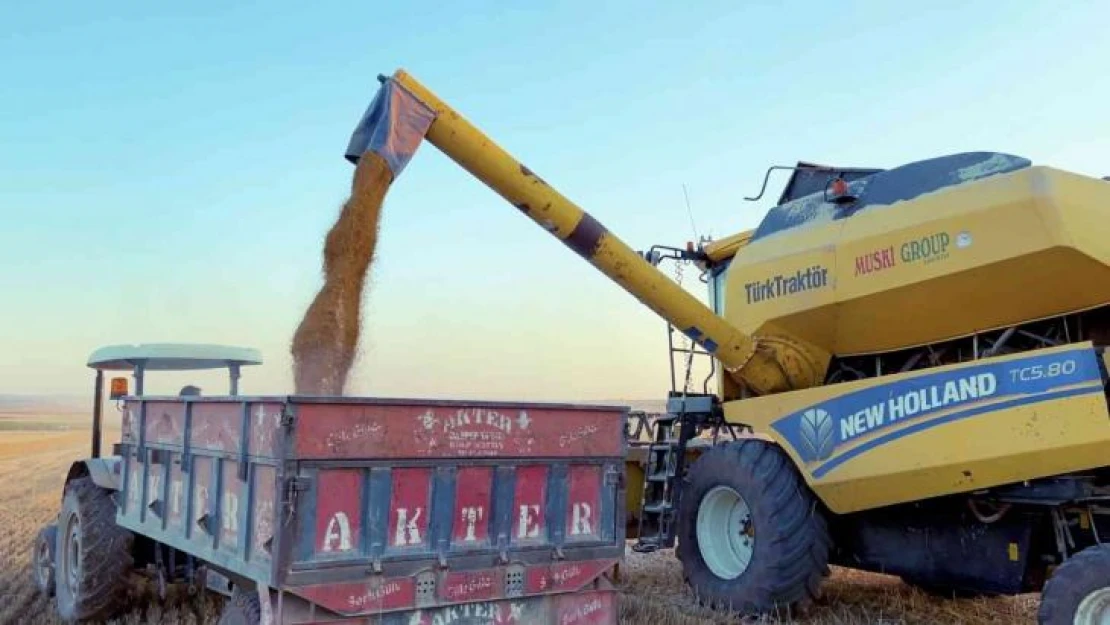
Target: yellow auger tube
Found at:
x=746, y=361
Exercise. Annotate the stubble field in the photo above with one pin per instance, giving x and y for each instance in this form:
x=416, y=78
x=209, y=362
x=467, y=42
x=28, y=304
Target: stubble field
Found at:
x=35, y=454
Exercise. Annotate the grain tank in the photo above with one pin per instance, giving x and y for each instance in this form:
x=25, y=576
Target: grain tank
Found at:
x=920, y=254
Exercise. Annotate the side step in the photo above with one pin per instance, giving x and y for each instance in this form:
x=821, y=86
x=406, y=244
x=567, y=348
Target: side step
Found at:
x=666, y=464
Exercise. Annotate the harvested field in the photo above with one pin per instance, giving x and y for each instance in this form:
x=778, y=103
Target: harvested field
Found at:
x=32, y=469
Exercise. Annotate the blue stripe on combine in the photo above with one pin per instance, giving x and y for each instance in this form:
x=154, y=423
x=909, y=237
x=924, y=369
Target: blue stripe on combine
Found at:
x=825, y=468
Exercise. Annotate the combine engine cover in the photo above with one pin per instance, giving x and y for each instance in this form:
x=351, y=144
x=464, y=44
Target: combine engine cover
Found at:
x=366, y=506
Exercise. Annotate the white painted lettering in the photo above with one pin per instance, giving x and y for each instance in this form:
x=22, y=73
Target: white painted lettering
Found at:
x=847, y=429
x=897, y=407
x=874, y=415
x=529, y=528
x=968, y=388
x=338, y=530
x=987, y=384
x=200, y=503
x=177, y=493
x=913, y=403
x=407, y=531
x=951, y=392
x=155, y=487
x=231, y=512
x=471, y=516
x=580, y=519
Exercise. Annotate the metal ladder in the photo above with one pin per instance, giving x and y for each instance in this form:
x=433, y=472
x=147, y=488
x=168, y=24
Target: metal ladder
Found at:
x=686, y=414
x=665, y=467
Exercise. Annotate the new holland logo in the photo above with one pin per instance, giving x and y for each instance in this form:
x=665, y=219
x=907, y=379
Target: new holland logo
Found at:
x=818, y=435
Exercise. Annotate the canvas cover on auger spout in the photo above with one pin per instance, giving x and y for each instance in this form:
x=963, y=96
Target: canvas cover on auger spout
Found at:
x=393, y=127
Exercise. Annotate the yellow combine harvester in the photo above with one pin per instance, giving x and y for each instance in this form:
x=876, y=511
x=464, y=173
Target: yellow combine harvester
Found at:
x=911, y=373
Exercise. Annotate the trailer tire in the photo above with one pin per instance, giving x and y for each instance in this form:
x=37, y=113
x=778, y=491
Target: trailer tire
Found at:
x=43, y=559
x=754, y=484
x=243, y=608
x=92, y=556
x=1079, y=590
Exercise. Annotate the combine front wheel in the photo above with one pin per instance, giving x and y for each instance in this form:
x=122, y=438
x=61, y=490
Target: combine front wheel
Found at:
x=751, y=538
x=1078, y=593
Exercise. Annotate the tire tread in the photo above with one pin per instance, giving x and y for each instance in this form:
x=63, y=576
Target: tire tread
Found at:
x=105, y=554
x=786, y=575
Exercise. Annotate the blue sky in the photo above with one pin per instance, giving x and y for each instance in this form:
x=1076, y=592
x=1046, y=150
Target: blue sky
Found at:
x=167, y=172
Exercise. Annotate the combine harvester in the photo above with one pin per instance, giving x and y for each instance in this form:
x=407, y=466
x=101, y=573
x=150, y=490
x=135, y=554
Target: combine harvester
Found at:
x=911, y=373
x=910, y=379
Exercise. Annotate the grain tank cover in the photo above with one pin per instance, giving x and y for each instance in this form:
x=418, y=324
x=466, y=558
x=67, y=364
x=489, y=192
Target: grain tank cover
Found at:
x=881, y=188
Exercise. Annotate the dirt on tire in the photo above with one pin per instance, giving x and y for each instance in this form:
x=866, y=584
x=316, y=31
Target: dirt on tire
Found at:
x=103, y=557
x=326, y=341
x=791, y=541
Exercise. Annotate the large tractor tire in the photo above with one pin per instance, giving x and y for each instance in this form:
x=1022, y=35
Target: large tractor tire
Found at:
x=243, y=608
x=751, y=538
x=1078, y=593
x=43, y=559
x=92, y=555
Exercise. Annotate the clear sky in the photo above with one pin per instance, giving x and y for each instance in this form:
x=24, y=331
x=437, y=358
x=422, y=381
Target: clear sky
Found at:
x=167, y=170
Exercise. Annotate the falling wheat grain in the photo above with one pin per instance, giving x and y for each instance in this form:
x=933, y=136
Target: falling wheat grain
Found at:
x=326, y=341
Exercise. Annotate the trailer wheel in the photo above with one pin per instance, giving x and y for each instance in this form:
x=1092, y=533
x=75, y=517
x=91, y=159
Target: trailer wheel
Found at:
x=243, y=608
x=1079, y=591
x=751, y=538
x=92, y=555
x=43, y=560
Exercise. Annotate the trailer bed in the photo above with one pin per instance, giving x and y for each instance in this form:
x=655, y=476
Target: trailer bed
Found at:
x=371, y=506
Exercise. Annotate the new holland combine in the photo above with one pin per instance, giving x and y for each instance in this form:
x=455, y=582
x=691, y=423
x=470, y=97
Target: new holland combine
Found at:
x=910, y=377
x=911, y=373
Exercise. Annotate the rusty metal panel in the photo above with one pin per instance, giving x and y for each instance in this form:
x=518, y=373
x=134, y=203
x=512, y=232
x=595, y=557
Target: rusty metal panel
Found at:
x=596, y=606
x=414, y=429
x=552, y=526
x=400, y=594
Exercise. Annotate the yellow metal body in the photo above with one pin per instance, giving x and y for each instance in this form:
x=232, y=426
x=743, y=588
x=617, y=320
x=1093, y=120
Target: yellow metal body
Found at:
x=1000, y=439
x=1007, y=249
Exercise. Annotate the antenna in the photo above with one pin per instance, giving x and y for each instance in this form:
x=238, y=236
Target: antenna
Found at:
x=690, y=212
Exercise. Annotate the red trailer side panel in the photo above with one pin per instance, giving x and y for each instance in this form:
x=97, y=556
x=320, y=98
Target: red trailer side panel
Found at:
x=453, y=430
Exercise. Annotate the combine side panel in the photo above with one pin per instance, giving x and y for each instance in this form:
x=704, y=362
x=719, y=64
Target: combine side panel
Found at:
x=943, y=430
